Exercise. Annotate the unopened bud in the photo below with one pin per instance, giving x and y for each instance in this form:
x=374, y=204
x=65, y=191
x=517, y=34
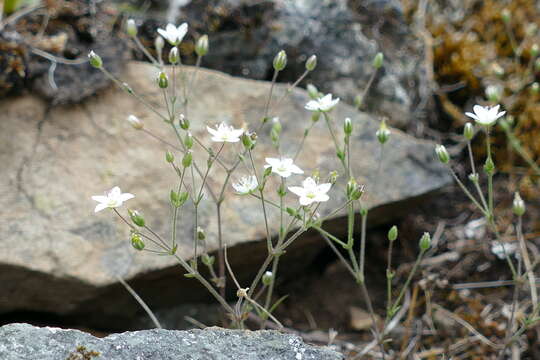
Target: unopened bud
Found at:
x=535, y=88
x=378, y=60
x=425, y=242
x=506, y=15
x=131, y=27
x=311, y=63
x=494, y=93
x=95, y=60
x=173, y=56
x=248, y=140
x=534, y=50
x=158, y=45
x=518, y=205
x=163, y=80
x=280, y=61
x=315, y=116
x=383, y=134
x=473, y=178
x=187, y=160
x=136, y=241
x=441, y=152
x=169, y=157
x=468, y=131
x=333, y=177
x=135, y=122
x=267, y=278
x=313, y=92
x=393, y=233
x=188, y=141
x=208, y=260
x=201, y=235
x=201, y=48
x=184, y=122
x=136, y=217
x=489, y=166
x=347, y=127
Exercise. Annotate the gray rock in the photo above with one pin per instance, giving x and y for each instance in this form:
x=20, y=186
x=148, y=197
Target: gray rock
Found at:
x=59, y=257
x=245, y=35
x=22, y=341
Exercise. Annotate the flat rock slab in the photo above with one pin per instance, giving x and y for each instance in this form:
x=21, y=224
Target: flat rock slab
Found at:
x=58, y=256
x=23, y=341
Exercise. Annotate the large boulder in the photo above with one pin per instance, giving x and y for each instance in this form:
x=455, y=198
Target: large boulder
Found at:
x=59, y=257
x=22, y=341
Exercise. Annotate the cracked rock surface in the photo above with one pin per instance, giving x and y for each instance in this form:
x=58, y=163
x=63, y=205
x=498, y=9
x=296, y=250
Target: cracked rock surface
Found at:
x=59, y=257
x=22, y=341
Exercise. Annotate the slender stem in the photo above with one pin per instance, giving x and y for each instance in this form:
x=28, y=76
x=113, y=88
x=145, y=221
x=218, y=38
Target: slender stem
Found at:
x=141, y=302
x=265, y=215
x=389, y=276
x=363, y=243
x=145, y=52
x=407, y=282
x=490, y=173
x=469, y=195
x=527, y=262
x=267, y=106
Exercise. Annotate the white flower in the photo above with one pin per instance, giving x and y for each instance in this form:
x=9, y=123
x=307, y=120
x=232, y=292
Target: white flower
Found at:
x=114, y=198
x=283, y=167
x=246, y=185
x=485, y=115
x=323, y=104
x=310, y=192
x=498, y=249
x=135, y=122
x=225, y=133
x=173, y=34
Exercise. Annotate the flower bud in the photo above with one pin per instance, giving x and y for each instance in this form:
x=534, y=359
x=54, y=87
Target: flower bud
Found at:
x=473, y=178
x=393, y=233
x=173, y=55
x=178, y=199
x=158, y=44
x=378, y=60
x=506, y=15
x=163, y=80
x=95, y=60
x=383, y=134
x=441, y=152
x=494, y=93
x=136, y=217
x=136, y=241
x=188, y=141
x=131, y=27
x=425, y=242
x=135, y=122
x=313, y=92
x=267, y=278
x=311, y=63
x=535, y=88
x=357, y=101
x=354, y=191
x=489, y=166
x=468, y=131
x=183, y=122
x=497, y=69
x=201, y=235
x=534, y=50
x=169, y=157
x=518, y=205
x=315, y=116
x=347, y=126
x=208, y=260
x=187, y=160
x=333, y=177
x=201, y=48
x=249, y=140
x=280, y=61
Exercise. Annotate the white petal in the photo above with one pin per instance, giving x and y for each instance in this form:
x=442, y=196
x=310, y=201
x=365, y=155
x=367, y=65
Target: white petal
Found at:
x=312, y=105
x=163, y=33
x=304, y=201
x=237, y=132
x=323, y=188
x=295, y=169
x=115, y=192
x=273, y=162
x=500, y=114
x=321, y=198
x=100, y=198
x=478, y=109
x=126, y=196
x=100, y=207
x=182, y=31
x=297, y=190
x=471, y=115
x=309, y=183
x=212, y=131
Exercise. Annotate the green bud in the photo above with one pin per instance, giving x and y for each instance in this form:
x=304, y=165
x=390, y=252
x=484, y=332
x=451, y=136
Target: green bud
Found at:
x=494, y=93
x=158, y=45
x=441, y=152
x=187, y=160
x=136, y=217
x=178, y=199
x=425, y=242
x=347, y=127
x=131, y=27
x=383, y=134
x=267, y=278
x=535, y=88
x=354, y=191
x=378, y=60
x=357, y=101
x=208, y=260
x=489, y=166
x=249, y=140
x=313, y=92
x=518, y=205
x=333, y=177
x=201, y=235
x=188, y=141
x=201, y=48
x=315, y=116
x=267, y=171
x=393, y=233
x=282, y=191
x=163, y=80
x=183, y=122
x=292, y=212
x=363, y=212
x=169, y=157
x=95, y=60
x=173, y=56
x=136, y=241
x=534, y=50
x=280, y=61
x=468, y=131
x=506, y=15
x=473, y=178
x=311, y=63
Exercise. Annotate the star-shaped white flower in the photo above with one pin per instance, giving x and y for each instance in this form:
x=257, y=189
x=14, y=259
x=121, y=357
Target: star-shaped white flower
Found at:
x=500, y=249
x=311, y=192
x=173, y=34
x=112, y=199
x=283, y=167
x=225, y=133
x=323, y=104
x=486, y=116
x=246, y=185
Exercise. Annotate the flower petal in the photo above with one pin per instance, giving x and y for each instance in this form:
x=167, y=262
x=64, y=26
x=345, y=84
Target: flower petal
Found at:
x=297, y=190
x=100, y=198
x=126, y=196
x=100, y=207
x=324, y=188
